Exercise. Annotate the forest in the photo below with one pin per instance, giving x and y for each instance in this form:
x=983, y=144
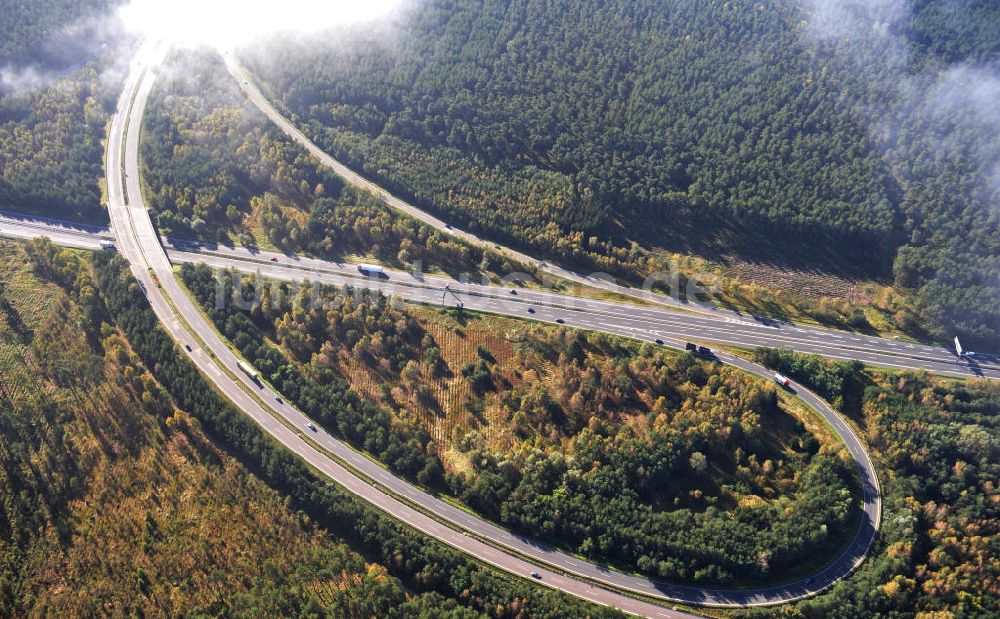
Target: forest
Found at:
x=655, y=462
x=116, y=500
x=52, y=118
x=944, y=32
x=936, y=447
x=423, y=566
x=217, y=170
x=607, y=134
x=934, y=441
x=51, y=150
x=27, y=24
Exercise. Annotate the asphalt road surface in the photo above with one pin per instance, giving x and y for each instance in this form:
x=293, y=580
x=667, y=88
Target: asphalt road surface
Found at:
x=137, y=241
x=80, y=236
x=646, y=323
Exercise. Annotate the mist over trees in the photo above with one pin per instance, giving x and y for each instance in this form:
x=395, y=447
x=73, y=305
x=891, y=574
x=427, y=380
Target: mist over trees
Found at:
x=925, y=78
x=28, y=24
x=57, y=89
x=598, y=131
x=51, y=150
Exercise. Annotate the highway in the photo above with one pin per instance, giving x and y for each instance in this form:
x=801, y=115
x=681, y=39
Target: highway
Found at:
x=152, y=264
x=68, y=234
x=138, y=242
x=646, y=323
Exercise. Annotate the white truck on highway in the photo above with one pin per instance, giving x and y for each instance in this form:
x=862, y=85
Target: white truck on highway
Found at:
x=249, y=371
x=782, y=380
x=372, y=270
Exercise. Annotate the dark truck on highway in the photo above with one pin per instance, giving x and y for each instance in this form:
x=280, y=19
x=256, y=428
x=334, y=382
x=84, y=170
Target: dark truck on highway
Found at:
x=701, y=351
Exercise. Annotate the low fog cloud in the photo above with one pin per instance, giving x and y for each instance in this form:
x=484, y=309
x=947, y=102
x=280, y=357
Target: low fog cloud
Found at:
x=19, y=79
x=955, y=106
x=232, y=23
x=61, y=53
x=962, y=104
x=837, y=19
x=185, y=23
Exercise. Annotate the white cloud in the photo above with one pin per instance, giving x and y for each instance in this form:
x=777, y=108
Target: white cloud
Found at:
x=18, y=79
x=951, y=109
x=229, y=23
x=848, y=19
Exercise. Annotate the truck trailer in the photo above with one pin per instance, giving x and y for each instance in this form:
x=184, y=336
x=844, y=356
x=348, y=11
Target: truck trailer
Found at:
x=249, y=371
x=372, y=270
